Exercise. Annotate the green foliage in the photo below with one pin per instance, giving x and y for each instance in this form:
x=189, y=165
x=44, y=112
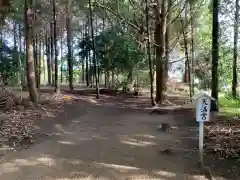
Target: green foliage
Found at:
x=114, y=50
x=229, y=105
x=204, y=51
x=9, y=66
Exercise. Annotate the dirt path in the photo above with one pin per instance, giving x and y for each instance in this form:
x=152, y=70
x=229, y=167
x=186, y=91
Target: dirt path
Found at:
x=108, y=143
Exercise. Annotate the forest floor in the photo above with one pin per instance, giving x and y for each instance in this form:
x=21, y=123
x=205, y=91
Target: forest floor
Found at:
x=114, y=138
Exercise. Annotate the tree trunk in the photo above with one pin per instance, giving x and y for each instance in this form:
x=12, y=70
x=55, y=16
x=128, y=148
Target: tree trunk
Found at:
x=47, y=39
x=57, y=89
x=83, y=58
x=22, y=70
x=235, y=51
x=167, y=35
x=15, y=53
x=159, y=39
x=61, y=67
x=94, y=52
x=87, y=69
x=149, y=55
x=215, y=49
x=29, y=51
x=43, y=61
x=69, y=43
x=192, y=46
x=39, y=65
x=83, y=71
x=52, y=52
x=187, y=62
x=113, y=78
x=35, y=54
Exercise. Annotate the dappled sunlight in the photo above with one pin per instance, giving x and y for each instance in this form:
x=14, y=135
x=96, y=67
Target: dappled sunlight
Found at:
x=8, y=168
x=25, y=162
x=17, y=164
x=98, y=136
x=74, y=162
x=135, y=142
x=76, y=121
x=84, y=138
x=198, y=177
x=165, y=173
x=108, y=143
x=61, y=130
x=47, y=161
x=145, y=136
x=66, y=142
x=143, y=176
x=59, y=127
x=117, y=166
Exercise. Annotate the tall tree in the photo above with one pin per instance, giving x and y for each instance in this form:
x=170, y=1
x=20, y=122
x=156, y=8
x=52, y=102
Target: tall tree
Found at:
x=167, y=38
x=94, y=51
x=192, y=24
x=61, y=49
x=235, y=51
x=149, y=53
x=160, y=25
x=82, y=38
x=215, y=48
x=87, y=57
x=47, y=44
x=69, y=43
x=22, y=70
x=52, y=51
x=39, y=64
x=187, y=73
x=57, y=89
x=15, y=53
x=28, y=14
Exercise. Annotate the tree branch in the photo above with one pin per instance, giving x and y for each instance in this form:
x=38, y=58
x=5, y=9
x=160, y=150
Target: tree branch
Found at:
x=117, y=15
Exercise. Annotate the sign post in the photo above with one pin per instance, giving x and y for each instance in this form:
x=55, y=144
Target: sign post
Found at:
x=203, y=103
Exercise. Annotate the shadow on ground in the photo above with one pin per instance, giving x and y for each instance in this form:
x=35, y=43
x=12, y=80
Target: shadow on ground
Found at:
x=107, y=142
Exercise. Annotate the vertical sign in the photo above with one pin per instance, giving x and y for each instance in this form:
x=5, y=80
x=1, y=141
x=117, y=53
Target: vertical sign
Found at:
x=203, y=103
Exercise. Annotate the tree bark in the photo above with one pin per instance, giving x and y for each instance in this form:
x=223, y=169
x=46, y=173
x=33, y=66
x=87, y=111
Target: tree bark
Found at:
x=39, y=65
x=57, y=89
x=83, y=58
x=235, y=52
x=160, y=26
x=149, y=54
x=52, y=52
x=215, y=49
x=61, y=79
x=22, y=70
x=47, y=39
x=69, y=43
x=94, y=52
x=35, y=54
x=29, y=51
x=192, y=47
x=15, y=53
x=187, y=73
x=168, y=30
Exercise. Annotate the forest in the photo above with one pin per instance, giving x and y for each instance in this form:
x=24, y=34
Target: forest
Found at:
x=86, y=49
x=58, y=51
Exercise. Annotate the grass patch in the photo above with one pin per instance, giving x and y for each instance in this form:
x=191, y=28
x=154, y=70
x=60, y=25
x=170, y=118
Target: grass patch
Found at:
x=229, y=106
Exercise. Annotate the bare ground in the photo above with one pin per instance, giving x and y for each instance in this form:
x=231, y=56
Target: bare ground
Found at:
x=104, y=139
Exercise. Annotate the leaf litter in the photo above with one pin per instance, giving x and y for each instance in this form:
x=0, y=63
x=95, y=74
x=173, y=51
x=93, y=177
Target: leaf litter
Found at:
x=18, y=126
x=223, y=138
